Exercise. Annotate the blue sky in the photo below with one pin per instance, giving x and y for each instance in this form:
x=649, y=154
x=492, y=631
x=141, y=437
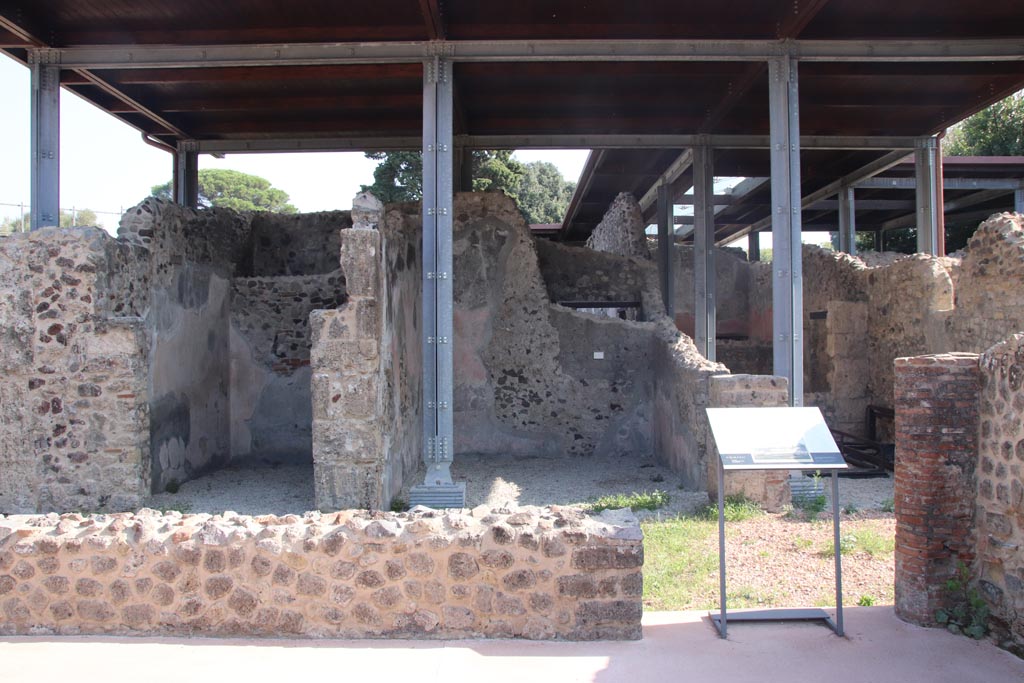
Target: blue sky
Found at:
x=105, y=165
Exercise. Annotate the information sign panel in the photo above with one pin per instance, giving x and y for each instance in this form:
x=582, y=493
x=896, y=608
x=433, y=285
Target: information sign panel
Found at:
x=781, y=438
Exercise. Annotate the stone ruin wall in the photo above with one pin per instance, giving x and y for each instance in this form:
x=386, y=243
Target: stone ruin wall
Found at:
x=231, y=298
x=367, y=364
x=999, y=513
x=618, y=267
x=189, y=332
x=74, y=415
x=537, y=573
x=860, y=315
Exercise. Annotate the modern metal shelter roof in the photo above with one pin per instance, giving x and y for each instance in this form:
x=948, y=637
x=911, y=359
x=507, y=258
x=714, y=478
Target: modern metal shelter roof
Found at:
x=502, y=87
x=974, y=188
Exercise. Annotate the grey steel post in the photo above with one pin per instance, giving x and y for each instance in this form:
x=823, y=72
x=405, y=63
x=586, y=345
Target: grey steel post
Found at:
x=186, y=174
x=722, y=629
x=438, y=490
x=847, y=221
x=926, y=194
x=1018, y=201
x=441, y=471
x=754, y=246
x=787, y=280
x=839, y=556
x=45, y=114
x=666, y=250
x=704, y=250
x=429, y=202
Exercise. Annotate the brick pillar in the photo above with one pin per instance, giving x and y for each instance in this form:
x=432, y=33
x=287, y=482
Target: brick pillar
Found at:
x=936, y=400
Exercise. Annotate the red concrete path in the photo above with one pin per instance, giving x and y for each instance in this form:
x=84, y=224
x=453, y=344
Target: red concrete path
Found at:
x=677, y=646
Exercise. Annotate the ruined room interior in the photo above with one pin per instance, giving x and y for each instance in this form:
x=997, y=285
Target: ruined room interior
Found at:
x=355, y=345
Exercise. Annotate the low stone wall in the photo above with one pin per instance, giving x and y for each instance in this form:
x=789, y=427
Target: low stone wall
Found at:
x=539, y=573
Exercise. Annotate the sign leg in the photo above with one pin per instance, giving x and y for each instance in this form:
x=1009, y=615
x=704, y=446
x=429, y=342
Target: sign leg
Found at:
x=839, y=558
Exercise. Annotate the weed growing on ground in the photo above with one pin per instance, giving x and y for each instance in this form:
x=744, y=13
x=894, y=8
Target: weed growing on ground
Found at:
x=811, y=505
x=888, y=505
x=635, y=501
x=968, y=612
x=850, y=509
x=399, y=504
x=866, y=601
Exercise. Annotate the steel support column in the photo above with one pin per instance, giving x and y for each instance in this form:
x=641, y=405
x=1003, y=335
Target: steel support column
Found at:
x=754, y=246
x=787, y=270
x=847, y=221
x=928, y=205
x=186, y=174
x=1018, y=201
x=704, y=251
x=45, y=114
x=438, y=489
x=666, y=250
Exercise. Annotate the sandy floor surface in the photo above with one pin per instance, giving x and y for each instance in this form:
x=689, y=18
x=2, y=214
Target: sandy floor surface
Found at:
x=491, y=480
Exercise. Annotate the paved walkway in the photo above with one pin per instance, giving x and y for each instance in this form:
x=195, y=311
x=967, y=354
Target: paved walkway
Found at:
x=677, y=646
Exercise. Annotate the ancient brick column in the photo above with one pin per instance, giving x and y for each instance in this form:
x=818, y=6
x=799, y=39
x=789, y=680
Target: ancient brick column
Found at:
x=936, y=400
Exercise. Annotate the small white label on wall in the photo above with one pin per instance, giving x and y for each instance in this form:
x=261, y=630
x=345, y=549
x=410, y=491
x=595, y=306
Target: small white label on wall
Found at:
x=598, y=355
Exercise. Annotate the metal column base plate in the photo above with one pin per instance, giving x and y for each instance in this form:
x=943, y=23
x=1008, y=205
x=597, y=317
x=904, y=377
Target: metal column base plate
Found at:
x=439, y=497
x=769, y=615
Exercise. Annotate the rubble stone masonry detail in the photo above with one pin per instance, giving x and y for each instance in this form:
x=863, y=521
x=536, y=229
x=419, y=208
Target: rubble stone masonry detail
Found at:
x=74, y=414
x=999, y=517
x=538, y=573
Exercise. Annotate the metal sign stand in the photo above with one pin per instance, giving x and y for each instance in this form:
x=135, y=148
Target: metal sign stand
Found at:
x=800, y=440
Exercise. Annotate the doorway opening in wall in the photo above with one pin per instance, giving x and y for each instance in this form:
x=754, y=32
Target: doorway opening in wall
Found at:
x=231, y=411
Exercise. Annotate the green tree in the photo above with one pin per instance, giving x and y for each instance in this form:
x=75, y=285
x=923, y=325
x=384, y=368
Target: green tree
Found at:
x=544, y=194
x=995, y=131
x=538, y=188
x=228, y=189
x=79, y=217
x=13, y=224
x=399, y=175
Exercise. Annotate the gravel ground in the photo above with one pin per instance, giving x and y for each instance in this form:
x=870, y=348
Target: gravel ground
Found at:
x=491, y=480
x=281, y=490
x=783, y=561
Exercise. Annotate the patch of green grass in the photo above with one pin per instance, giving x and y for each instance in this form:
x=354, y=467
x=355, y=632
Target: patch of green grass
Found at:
x=635, y=501
x=802, y=543
x=866, y=601
x=680, y=565
x=737, y=509
x=888, y=505
x=864, y=540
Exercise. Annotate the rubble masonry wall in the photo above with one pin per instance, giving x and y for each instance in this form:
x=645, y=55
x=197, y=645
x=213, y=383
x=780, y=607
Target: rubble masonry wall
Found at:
x=367, y=365
x=999, y=496
x=538, y=573
x=74, y=415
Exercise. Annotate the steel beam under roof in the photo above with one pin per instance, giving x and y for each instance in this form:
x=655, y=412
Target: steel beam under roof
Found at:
x=594, y=141
x=199, y=56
